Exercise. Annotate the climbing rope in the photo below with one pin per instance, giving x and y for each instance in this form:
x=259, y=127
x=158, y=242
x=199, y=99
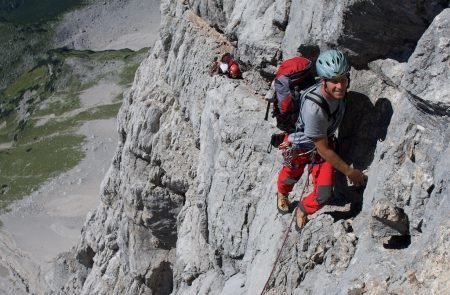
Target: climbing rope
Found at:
x=287, y=232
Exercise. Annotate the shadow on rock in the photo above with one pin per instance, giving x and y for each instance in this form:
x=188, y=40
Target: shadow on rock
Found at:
x=406, y=20
x=363, y=126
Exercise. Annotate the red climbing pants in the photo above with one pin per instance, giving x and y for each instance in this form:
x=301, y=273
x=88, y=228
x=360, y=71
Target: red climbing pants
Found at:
x=322, y=176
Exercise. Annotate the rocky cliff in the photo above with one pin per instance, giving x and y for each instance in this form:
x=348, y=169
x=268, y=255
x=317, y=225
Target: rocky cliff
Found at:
x=188, y=205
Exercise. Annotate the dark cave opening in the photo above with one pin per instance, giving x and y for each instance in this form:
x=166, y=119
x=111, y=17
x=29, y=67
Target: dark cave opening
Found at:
x=161, y=279
x=398, y=242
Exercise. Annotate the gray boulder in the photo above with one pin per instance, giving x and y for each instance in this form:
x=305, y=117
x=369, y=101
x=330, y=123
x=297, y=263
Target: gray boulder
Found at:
x=428, y=72
x=388, y=221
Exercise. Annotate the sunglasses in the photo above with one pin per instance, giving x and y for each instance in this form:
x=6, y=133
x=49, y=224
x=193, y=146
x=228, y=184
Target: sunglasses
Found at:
x=342, y=79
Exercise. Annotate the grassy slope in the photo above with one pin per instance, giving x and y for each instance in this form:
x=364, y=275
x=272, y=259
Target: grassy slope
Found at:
x=20, y=45
x=26, y=31
x=37, y=83
x=51, y=89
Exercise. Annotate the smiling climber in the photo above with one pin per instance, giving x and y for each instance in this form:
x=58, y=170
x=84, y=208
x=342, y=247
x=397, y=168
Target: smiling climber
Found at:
x=322, y=108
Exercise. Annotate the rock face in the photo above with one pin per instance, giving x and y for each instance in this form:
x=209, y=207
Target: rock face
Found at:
x=389, y=221
x=428, y=69
x=367, y=29
x=188, y=205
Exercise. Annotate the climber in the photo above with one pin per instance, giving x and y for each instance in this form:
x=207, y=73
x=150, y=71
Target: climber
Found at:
x=226, y=65
x=235, y=72
x=322, y=109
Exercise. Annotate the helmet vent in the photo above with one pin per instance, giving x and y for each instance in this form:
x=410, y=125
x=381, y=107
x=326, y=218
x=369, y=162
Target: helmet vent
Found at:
x=332, y=63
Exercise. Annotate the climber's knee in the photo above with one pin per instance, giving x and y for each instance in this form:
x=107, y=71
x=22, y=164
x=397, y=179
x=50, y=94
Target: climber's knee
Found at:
x=324, y=193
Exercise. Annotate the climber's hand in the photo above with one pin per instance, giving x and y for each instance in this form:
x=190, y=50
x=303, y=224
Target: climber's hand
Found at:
x=284, y=145
x=356, y=177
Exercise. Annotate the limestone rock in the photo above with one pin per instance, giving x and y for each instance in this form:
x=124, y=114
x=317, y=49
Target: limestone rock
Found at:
x=358, y=26
x=388, y=220
x=190, y=193
x=391, y=70
x=281, y=17
x=428, y=69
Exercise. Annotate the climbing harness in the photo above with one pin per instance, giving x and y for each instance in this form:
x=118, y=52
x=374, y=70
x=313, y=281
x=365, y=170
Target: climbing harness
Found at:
x=287, y=231
x=290, y=153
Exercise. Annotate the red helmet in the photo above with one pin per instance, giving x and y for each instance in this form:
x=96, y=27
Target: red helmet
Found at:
x=235, y=72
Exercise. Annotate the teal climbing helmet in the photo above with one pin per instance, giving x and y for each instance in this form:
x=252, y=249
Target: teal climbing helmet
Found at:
x=332, y=64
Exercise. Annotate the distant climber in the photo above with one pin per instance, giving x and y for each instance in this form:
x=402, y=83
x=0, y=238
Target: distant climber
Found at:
x=322, y=108
x=225, y=66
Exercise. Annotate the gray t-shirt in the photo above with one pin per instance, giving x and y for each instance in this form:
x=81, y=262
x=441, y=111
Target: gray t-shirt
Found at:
x=314, y=122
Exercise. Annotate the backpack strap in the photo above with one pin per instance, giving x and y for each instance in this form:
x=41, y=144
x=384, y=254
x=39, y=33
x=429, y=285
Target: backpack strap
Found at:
x=323, y=104
x=320, y=101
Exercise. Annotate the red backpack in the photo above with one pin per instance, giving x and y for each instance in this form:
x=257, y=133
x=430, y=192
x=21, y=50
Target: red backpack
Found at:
x=293, y=75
